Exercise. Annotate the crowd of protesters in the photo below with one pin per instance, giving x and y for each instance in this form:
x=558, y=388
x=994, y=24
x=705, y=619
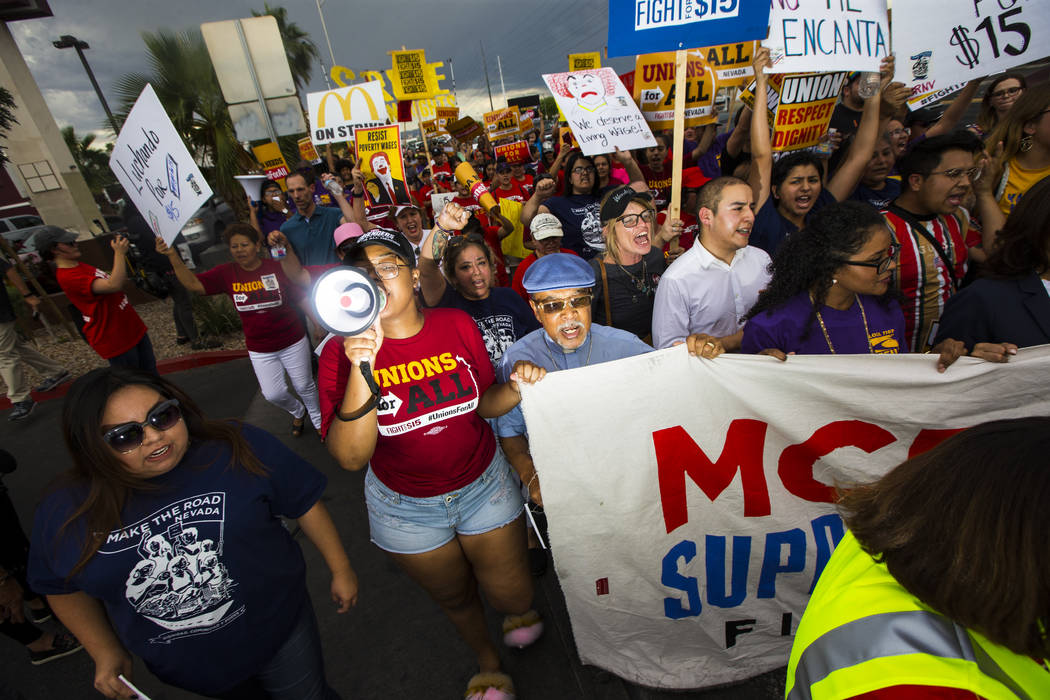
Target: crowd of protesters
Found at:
x=916, y=234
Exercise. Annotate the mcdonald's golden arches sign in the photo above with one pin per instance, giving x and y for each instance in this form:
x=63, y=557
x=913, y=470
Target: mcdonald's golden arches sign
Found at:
x=334, y=114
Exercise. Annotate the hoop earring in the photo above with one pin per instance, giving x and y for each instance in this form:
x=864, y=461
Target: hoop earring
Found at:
x=1026, y=144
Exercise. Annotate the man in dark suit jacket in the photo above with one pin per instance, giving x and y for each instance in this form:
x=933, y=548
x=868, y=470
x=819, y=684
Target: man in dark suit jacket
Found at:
x=382, y=187
x=1009, y=311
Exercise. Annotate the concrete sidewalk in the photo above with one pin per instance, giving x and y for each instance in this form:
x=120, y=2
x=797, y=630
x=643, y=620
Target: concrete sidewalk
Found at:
x=396, y=643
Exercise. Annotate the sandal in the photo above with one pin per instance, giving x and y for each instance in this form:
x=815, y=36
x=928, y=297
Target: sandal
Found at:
x=522, y=630
x=492, y=685
x=297, y=426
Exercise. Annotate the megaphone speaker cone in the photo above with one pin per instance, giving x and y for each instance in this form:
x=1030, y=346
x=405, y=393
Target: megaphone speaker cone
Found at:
x=346, y=300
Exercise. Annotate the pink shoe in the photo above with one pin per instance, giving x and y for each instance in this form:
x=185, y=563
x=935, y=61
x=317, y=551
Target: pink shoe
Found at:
x=490, y=686
x=522, y=630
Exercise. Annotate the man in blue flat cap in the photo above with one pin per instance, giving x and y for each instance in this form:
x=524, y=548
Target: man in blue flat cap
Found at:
x=559, y=287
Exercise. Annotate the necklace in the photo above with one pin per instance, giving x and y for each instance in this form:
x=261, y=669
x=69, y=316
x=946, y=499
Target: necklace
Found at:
x=863, y=317
x=641, y=283
x=554, y=362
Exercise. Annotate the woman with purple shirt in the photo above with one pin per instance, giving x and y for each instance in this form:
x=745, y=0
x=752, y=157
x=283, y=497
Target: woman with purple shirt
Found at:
x=272, y=210
x=828, y=292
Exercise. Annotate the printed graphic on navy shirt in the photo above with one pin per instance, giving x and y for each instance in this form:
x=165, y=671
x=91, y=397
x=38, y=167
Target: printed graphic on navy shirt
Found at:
x=263, y=293
x=180, y=582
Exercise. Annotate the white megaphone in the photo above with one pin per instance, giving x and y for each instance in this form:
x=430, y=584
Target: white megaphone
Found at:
x=252, y=185
x=346, y=300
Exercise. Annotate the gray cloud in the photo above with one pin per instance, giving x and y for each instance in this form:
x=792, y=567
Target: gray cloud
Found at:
x=530, y=39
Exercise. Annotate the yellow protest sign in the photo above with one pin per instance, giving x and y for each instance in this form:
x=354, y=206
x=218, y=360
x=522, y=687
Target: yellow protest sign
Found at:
x=731, y=63
x=445, y=116
x=654, y=88
x=799, y=106
x=584, y=61
x=773, y=82
x=514, y=243
x=270, y=158
x=502, y=123
x=307, y=150
x=430, y=127
x=379, y=150
x=411, y=76
x=525, y=125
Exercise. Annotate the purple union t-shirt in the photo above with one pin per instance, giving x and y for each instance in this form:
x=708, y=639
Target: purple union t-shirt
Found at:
x=785, y=327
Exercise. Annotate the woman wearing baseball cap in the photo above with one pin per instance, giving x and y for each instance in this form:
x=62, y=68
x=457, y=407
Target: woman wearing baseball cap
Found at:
x=442, y=500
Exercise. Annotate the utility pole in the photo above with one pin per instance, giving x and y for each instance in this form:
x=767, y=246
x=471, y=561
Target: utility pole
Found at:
x=486, y=66
x=502, y=87
x=452, y=73
x=67, y=41
x=324, y=28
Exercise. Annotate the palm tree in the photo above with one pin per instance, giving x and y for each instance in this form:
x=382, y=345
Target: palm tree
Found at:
x=301, y=52
x=7, y=118
x=92, y=162
x=182, y=76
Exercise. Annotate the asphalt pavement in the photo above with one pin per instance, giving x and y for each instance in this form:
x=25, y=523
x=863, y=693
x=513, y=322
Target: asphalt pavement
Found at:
x=395, y=643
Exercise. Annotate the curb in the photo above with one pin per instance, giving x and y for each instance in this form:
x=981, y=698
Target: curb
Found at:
x=174, y=364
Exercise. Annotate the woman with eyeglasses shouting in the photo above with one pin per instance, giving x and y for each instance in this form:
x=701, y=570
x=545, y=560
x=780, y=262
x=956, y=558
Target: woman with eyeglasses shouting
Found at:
x=274, y=333
x=442, y=501
x=464, y=278
x=164, y=541
x=828, y=294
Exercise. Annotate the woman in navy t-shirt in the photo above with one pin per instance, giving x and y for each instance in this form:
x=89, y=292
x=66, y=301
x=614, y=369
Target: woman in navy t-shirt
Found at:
x=164, y=541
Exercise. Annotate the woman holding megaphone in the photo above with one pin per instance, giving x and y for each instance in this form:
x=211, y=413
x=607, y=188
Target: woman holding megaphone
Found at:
x=442, y=501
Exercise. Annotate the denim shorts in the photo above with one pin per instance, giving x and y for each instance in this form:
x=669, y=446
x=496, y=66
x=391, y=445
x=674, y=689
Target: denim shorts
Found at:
x=406, y=525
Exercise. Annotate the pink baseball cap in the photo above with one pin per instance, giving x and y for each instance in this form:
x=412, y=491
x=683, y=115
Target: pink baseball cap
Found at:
x=344, y=232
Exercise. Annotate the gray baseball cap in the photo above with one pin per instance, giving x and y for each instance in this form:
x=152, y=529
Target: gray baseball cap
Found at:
x=49, y=236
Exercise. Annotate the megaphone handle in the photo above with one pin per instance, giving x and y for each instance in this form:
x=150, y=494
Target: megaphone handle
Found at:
x=366, y=370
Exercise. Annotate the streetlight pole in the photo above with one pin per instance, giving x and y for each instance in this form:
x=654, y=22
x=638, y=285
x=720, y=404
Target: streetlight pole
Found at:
x=67, y=41
x=324, y=28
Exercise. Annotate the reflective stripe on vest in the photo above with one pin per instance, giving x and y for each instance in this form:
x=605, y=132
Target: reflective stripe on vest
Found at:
x=891, y=634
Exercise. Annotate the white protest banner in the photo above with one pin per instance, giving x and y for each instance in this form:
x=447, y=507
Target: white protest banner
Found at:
x=599, y=110
x=828, y=35
x=357, y=106
x=155, y=169
x=689, y=501
x=942, y=44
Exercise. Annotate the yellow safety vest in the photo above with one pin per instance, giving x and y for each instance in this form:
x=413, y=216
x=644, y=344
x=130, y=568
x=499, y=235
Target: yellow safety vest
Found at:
x=862, y=631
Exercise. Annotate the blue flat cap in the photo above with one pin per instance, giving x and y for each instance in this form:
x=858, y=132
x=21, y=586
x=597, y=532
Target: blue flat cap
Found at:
x=558, y=271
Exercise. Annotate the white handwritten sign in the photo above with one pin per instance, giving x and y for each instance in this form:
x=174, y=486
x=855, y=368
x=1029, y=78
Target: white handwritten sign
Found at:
x=599, y=110
x=827, y=35
x=155, y=169
x=942, y=44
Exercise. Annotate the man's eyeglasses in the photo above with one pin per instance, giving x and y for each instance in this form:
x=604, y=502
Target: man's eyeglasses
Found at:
x=631, y=220
x=129, y=436
x=583, y=170
x=882, y=265
x=558, y=305
x=959, y=173
x=1006, y=92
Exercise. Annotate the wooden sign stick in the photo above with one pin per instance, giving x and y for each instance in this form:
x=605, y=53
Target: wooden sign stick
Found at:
x=678, y=139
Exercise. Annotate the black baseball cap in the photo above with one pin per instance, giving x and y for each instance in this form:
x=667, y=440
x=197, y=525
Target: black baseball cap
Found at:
x=393, y=240
x=615, y=203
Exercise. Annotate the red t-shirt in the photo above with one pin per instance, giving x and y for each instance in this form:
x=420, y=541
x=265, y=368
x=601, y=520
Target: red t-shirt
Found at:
x=111, y=325
x=515, y=192
x=690, y=230
x=431, y=438
x=659, y=185
x=526, y=185
x=491, y=237
x=266, y=301
x=435, y=169
x=519, y=273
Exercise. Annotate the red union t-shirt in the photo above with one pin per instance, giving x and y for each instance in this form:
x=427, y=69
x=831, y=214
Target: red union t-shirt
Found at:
x=266, y=301
x=431, y=438
x=111, y=325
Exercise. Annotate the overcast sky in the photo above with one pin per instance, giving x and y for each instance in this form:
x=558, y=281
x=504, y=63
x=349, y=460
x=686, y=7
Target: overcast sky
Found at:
x=530, y=39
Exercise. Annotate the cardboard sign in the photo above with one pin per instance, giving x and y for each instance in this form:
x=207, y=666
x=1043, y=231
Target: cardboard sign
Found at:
x=731, y=63
x=584, y=61
x=272, y=161
x=828, y=35
x=525, y=125
x=804, y=109
x=410, y=76
x=652, y=26
x=528, y=106
x=654, y=89
x=773, y=82
x=502, y=123
x=444, y=116
x=517, y=152
x=430, y=127
x=600, y=111
x=379, y=150
x=687, y=539
x=463, y=129
x=155, y=169
x=942, y=44
x=334, y=114
x=307, y=150
x=566, y=138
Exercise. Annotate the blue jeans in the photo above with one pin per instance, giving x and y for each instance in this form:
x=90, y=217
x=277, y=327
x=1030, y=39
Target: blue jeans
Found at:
x=138, y=357
x=296, y=671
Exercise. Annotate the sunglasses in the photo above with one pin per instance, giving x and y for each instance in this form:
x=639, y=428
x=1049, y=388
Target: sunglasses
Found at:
x=129, y=436
x=558, y=305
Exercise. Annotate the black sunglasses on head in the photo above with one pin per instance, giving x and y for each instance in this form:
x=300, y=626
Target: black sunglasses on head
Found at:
x=128, y=436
